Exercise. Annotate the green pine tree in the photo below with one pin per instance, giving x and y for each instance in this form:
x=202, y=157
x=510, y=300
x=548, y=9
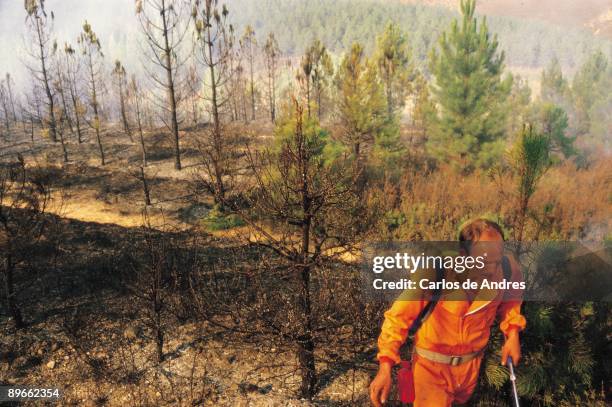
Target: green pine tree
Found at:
x=587, y=89
x=470, y=94
x=553, y=122
x=553, y=86
x=519, y=103
x=393, y=60
x=362, y=107
x=424, y=107
x=316, y=70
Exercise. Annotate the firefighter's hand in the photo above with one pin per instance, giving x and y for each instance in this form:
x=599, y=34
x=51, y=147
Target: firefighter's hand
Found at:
x=511, y=348
x=381, y=385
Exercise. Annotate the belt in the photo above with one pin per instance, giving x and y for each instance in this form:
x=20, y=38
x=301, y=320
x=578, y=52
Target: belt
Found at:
x=446, y=359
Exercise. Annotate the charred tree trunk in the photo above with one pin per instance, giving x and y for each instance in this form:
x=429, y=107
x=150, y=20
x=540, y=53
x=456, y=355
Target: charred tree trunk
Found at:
x=60, y=131
x=9, y=291
x=145, y=187
x=272, y=97
x=171, y=88
x=94, y=105
x=139, y=124
x=126, y=124
x=45, y=78
x=306, y=345
x=252, y=87
x=159, y=338
x=75, y=105
x=217, y=140
x=64, y=104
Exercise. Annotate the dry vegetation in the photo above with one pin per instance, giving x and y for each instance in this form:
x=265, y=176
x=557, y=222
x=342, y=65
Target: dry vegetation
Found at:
x=92, y=331
x=191, y=237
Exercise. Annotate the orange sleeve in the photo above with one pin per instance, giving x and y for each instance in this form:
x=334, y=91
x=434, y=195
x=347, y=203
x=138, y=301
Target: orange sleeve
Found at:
x=398, y=320
x=511, y=317
x=509, y=311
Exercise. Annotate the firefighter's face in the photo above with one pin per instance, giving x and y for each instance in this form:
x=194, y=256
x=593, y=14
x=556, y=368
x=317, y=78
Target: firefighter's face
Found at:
x=490, y=246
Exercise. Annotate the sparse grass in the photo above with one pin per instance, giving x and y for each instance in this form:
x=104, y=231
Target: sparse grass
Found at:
x=217, y=220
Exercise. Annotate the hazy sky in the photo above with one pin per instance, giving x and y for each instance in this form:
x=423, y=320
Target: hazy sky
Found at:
x=111, y=19
x=115, y=22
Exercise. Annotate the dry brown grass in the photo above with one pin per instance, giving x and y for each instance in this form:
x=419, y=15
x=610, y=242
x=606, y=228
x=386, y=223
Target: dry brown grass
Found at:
x=570, y=203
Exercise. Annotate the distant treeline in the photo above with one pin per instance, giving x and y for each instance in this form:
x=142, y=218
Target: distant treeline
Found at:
x=340, y=23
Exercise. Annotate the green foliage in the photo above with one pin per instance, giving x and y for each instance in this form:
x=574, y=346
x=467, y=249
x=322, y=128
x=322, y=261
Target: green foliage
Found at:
x=361, y=102
x=587, y=104
x=424, y=107
x=470, y=94
x=586, y=88
x=593, y=101
x=392, y=57
x=553, y=122
x=317, y=140
x=217, y=219
x=530, y=159
x=394, y=219
x=519, y=104
x=316, y=70
x=553, y=86
x=340, y=23
x=304, y=178
x=389, y=152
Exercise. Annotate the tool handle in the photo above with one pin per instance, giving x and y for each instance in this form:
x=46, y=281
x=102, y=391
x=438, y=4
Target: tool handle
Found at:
x=511, y=368
x=513, y=381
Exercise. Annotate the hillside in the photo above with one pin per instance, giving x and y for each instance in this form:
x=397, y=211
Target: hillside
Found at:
x=531, y=33
x=528, y=43
x=577, y=14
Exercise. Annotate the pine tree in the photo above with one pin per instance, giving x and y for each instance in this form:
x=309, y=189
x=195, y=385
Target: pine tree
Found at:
x=424, y=107
x=316, y=69
x=72, y=65
x=137, y=96
x=271, y=53
x=120, y=76
x=4, y=106
x=519, y=103
x=529, y=158
x=469, y=92
x=553, y=86
x=40, y=29
x=553, y=123
x=587, y=90
x=599, y=108
x=92, y=51
x=361, y=103
x=214, y=36
x=248, y=44
x=310, y=201
x=162, y=24
x=394, y=68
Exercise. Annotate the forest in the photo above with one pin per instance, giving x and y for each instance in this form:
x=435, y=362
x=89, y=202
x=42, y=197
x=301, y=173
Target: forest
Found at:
x=185, y=226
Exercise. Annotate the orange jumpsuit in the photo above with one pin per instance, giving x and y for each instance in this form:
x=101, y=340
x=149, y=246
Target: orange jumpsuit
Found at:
x=453, y=328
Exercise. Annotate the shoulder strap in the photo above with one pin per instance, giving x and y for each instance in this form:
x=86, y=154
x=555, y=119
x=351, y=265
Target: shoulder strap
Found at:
x=429, y=307
x=423, y=315
x=507, y=268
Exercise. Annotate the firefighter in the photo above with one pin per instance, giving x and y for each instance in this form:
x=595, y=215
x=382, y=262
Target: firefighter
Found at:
x=449, y=346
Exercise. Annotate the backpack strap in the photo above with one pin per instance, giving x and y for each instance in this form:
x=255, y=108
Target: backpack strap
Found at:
x=429, y=307
x=425, y=312
x=507, y=268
